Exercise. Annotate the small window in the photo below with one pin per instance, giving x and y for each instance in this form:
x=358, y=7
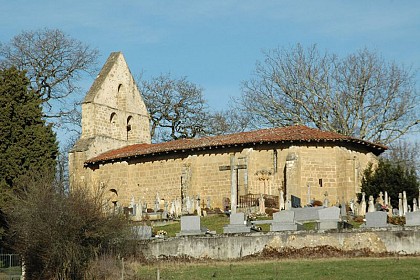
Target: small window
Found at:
x=113, y=118
x=320, y=183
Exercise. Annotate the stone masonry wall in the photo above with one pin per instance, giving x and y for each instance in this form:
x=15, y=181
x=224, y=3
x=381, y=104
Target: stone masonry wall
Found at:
x=200, y=174
x=234, y=246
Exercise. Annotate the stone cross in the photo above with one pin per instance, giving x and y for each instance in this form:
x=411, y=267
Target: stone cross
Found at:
x=381, y=199
x=233, y=181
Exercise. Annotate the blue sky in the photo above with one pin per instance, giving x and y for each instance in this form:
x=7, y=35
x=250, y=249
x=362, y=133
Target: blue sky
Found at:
x=215, y=44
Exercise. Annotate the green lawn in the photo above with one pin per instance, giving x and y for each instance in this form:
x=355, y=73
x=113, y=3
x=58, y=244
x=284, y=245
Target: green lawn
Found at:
x=360, y=268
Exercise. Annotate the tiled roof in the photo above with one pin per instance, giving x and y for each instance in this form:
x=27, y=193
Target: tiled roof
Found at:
x=287, y=134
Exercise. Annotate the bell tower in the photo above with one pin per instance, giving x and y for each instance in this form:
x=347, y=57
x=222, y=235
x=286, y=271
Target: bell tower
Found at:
x=113, y=116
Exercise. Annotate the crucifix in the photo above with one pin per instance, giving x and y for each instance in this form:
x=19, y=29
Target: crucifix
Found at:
x=233, y=181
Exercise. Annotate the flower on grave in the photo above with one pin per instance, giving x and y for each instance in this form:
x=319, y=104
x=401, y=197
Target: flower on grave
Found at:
x=161, y=232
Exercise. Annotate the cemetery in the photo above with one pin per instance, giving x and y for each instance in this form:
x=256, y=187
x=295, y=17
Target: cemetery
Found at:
x=245, y=233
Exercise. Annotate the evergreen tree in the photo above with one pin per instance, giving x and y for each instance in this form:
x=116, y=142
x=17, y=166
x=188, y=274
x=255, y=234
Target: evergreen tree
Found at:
x=391, y=177
x=27, y=145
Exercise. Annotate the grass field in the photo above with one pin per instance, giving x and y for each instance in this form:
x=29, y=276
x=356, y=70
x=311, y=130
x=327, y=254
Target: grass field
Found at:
x=355, y=268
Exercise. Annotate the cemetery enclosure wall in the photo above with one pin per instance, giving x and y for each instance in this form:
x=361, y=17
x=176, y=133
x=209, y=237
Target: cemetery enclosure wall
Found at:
x=201, y=174
x=401, y=241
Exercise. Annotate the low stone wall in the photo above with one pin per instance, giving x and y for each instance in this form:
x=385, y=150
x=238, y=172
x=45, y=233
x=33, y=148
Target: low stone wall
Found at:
x=232, y=246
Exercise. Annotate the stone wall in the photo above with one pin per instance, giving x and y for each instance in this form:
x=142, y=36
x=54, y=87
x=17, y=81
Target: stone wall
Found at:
x=397, y=240
x=267, y=168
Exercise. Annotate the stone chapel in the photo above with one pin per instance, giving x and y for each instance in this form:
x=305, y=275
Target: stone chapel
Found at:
x=115, y=154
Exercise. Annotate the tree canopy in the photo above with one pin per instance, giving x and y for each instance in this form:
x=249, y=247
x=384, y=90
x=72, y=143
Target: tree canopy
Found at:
x=177, y=107
x=55, y=63
x=360, y=95
x=392, y=177
x=27, y=144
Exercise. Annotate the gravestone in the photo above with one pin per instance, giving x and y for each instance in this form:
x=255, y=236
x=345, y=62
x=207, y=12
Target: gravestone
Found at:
x=191, y=225
x=283, y=220
x=412, y=218
x=376, y=219
x=328, y=218
x=142, y=232
x=306, y=213
x=295, y=201
x=237, y=224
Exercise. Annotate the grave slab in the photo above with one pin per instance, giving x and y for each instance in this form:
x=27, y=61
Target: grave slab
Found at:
x=191, y=225
x=412, y=218
x=284, y=221
x=376, y=219
x=328, y=218
x=237, y=224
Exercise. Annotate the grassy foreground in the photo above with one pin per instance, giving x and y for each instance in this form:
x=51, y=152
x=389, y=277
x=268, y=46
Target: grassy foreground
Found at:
x=360, y=268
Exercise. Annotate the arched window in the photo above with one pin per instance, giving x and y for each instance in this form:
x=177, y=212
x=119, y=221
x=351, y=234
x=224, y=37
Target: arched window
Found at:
x=129, y=127
x=113, y=119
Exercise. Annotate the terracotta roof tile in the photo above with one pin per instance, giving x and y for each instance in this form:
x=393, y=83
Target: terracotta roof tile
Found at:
x=283, y=134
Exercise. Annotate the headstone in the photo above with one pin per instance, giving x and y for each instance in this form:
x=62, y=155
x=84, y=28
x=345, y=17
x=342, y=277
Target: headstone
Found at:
x=142, y=232
x=306, y=214
x=261, y=204
x=308, y=197
x=178, y=207
x=386, y=198
x=189, y=205
x=326, y=201
x=400, y=205
x=208, y=203
x=283, y=220
x=343, y=211
x=352, y=206
x=405, y=203
x=412, y=219
x=288, y=205
x=376, y=219
x=138, y=213
x=362, y=210
x=380, y=199
x=328, y=218
x=198, y=206
x=157, y=201
x=191, y=225
x=295, y=201
x=371, y=205
x=237, y=224
x=281, y=201
x=415, y=208
x=172, y=209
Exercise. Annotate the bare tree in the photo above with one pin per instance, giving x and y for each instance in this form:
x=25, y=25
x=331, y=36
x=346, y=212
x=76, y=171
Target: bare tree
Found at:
x=177, y=108
x=54, y=63
x=226, y=122
x=406, y=154
x=360, y=95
